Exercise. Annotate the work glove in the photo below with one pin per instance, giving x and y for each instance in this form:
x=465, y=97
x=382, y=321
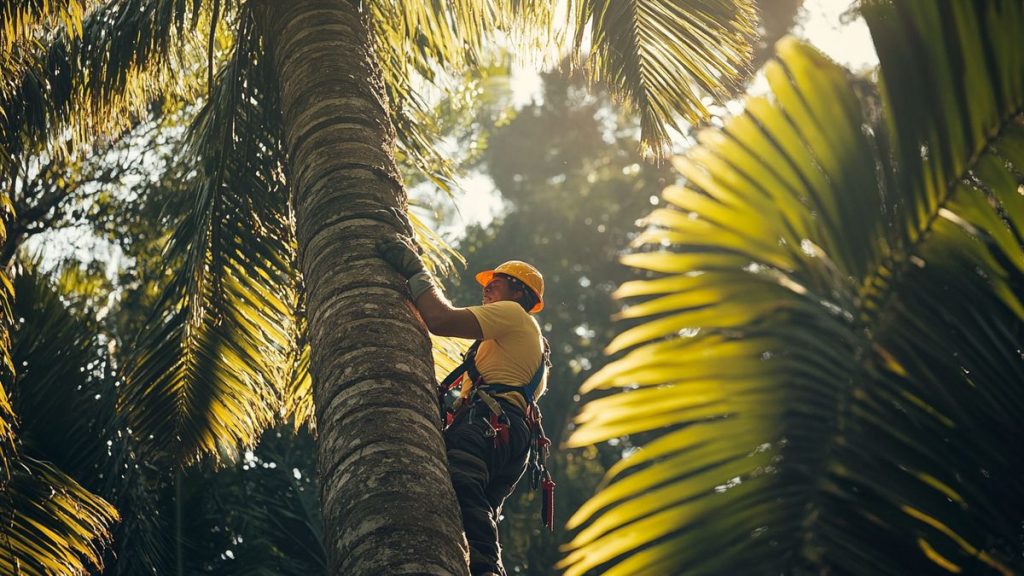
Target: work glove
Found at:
x=403, y=257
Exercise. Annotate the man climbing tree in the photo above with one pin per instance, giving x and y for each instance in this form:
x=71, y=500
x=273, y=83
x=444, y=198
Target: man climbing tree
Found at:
x=493, y=429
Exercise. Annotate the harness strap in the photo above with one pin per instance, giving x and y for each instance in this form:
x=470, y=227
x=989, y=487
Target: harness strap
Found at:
x=498, y=421
x=491, y=403
x=530, y=389
x=468, y=366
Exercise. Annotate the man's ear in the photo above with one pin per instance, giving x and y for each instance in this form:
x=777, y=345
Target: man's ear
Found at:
x=518, y=294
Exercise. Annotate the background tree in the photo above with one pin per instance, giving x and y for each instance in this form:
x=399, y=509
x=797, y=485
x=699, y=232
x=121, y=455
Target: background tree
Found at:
x=829, y=365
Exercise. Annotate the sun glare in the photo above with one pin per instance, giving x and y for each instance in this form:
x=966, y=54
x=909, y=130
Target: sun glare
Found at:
x=527, y=87
x=477, y=201
x=841, y=34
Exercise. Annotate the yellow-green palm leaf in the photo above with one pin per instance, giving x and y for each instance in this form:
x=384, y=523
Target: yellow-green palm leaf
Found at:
x=27, y=24
x=210, y=371
x=51, y=524
x=73, y=71
x=827, y=376
x=665, y=56
x=7, y=418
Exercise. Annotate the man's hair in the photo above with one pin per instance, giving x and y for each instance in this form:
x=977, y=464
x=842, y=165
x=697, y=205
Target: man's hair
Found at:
x=529, y=298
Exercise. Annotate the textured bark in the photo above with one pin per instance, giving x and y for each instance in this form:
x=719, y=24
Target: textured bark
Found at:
x=387, y=499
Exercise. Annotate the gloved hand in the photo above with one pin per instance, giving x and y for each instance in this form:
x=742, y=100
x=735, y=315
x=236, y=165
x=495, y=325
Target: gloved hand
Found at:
x=401, y=255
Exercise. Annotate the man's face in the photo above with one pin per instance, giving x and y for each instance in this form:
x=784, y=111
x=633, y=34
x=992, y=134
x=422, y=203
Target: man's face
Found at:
x=499, y=289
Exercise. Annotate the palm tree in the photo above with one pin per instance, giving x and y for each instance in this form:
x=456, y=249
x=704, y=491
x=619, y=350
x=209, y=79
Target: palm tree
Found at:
x=827, y=377
x=295, y=153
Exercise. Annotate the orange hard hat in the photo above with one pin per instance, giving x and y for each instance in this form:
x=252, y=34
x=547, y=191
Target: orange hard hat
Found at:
x=520, y=271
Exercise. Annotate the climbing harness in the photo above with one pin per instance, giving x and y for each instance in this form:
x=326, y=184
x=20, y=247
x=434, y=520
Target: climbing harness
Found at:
x=498, y=422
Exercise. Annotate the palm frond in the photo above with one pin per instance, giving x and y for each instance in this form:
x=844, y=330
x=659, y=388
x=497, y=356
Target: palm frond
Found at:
x=50, y=523
x=7, y=420
x=828, y=370
x=65, y=397
x=97, y=75
x=62, y=395
x=272, y=503
x=21, y=19
x=298, y=396
x=144, y=539
x=7, y=370
x=665, y=57
x=24, y=25
x=455, y=34
x=414, y=40
x=209, y=372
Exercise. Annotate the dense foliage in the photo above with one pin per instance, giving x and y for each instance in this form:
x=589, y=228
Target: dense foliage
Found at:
x=830, y=358
x=820, y=360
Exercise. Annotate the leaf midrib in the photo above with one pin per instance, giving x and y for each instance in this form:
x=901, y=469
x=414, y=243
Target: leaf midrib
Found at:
x=867, y=319
x=899, y=265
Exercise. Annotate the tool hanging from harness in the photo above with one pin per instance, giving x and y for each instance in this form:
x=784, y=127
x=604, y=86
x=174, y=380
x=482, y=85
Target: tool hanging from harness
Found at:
x=498, y=420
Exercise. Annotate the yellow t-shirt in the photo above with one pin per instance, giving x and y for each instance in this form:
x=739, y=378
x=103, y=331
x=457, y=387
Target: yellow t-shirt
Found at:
x=512, y=348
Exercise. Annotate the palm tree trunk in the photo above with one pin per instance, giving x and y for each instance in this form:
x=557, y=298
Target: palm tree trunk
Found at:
x=387, y=499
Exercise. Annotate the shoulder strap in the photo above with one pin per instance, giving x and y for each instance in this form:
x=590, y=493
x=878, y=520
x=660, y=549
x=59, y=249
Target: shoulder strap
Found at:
x=529, y=390
x=538, y=376
x=468, y=365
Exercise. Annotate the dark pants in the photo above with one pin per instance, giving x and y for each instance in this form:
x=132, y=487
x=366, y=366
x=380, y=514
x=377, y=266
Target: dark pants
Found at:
x=483, y=476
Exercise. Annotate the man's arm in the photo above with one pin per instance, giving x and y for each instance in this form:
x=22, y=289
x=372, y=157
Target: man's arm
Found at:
x=445, y=320
x=439, y=315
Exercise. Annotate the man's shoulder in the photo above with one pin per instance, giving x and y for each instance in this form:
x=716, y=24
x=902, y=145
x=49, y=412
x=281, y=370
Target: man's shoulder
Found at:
x=504, y=308
x=494, y=308
x=510, y=309
x=506, y=313
x=506, y=305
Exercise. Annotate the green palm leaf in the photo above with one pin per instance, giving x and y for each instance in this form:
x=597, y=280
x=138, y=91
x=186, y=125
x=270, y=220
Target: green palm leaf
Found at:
x=54, y=520
x=64, y=394
x=415, y=40
x=23, y=24
x=50, y=523
x=210, y=371
x=8, y=452
x=828, y=370
x=421, y=34
x=98, y=72
x=272, y=503
x=7, y=372
x=664, y=57
x=20, y=18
